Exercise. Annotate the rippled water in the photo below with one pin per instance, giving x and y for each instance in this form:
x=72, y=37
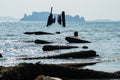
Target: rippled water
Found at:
x=105, y=38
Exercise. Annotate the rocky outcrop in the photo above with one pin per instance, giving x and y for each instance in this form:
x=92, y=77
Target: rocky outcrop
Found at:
x=42, y=42
x=30, y=71
x=56, y=47
x=76, y=40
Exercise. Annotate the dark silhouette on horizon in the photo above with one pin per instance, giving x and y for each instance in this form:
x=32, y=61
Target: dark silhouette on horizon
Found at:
x=51, y=20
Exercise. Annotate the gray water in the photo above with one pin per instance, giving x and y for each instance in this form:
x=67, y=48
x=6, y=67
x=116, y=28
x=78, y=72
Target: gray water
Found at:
x=105, y=38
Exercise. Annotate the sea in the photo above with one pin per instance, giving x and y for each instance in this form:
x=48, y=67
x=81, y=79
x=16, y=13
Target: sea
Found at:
x=104, y=37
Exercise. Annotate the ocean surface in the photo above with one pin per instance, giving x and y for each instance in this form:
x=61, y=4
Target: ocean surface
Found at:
x=105, y=38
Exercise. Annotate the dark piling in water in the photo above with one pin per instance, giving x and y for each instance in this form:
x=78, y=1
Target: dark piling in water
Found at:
x=63, y=19
x=59, y=19
x=75, y=34
x=1, y=56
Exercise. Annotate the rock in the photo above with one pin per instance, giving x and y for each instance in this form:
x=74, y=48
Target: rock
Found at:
x=1, y=56
x=56, y=47
x=75, y=55
x=75, y=40
x=42, y=42
x=58, y=32
x=77, y=65
x=80, y=54
x=38, y=33
x=42, y=77
x=29, y=71
x=85, y=47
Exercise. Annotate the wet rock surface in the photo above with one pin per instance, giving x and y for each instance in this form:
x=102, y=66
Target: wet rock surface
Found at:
x=42, y=42
x=29, y=71
x=56, y=47
x=38, y=33
x=80, y=54
x=76, y=40
x=70, y=55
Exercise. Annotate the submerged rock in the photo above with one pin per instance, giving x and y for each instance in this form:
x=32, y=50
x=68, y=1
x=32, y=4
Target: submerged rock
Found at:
x=76, y=40
x=38, y=33
x=42, y=42
x=56, y=47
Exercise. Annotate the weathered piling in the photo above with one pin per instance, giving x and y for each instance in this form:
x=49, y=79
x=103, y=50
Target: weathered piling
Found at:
x=59, y=19
x=1, y=56
x=63, y=19
x=75, y=34
x=50, y=18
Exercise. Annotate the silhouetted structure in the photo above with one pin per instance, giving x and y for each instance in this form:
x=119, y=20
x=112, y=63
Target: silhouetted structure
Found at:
x=59, y=19
x=63, y=19
x=51, y=20
x=75, y=34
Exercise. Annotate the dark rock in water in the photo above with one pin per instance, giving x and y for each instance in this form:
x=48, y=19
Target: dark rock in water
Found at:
x=56, y=47
x=75, y=40
x=80, y=54
x=28, y=71
x=57, y=32
x=85, y=47
x=76, y=65
x=1, y=56
x=29, y=33
x=38, y=33
x=41, y=33
x=75, y=55
x=42, y=42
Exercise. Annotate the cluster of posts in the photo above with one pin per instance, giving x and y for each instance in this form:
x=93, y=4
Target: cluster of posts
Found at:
x=60, y=19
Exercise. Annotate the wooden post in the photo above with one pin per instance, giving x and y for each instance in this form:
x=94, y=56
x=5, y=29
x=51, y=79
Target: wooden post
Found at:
x=50, y=18
x=75, y=34
x=63, y=19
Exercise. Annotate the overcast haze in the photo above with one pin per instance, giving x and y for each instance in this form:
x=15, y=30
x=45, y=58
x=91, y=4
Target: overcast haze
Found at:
x=90, y=9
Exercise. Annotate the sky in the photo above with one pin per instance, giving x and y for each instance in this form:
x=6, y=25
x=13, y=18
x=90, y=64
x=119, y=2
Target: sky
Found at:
x=90, y=9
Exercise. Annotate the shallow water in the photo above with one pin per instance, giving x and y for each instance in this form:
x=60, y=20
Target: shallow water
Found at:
x=105, y=38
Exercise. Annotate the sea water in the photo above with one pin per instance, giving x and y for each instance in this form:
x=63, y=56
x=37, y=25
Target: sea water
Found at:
x=104, y=37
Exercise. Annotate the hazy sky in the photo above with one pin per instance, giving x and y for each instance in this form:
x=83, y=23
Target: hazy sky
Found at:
x=90, y=9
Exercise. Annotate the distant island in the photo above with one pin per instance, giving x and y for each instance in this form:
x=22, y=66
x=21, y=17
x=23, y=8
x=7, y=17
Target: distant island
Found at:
x=42, y=16
x=104, y=20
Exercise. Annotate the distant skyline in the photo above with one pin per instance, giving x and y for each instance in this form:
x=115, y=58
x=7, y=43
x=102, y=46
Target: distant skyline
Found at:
x=90, y=9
